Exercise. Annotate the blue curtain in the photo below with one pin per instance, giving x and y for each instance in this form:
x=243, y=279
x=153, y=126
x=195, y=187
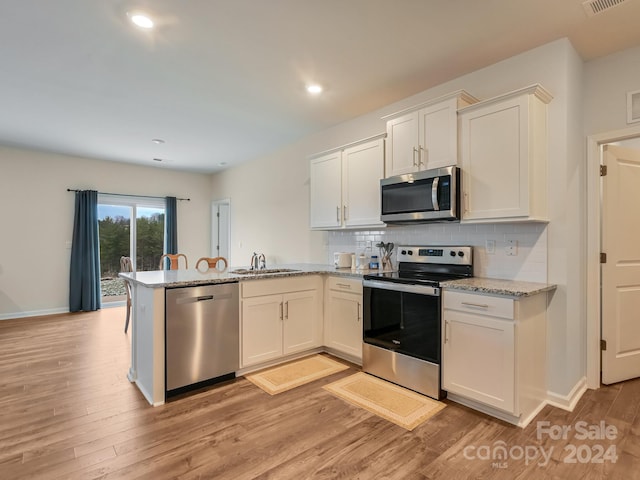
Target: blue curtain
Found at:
x=84, y=279
x=171, y=227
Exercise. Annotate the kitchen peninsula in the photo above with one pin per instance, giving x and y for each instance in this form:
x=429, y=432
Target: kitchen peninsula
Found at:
x=149, y=288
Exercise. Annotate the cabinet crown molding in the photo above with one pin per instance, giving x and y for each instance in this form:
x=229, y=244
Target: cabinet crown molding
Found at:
x=347, y=145
x=536, y=89
x=461, y=95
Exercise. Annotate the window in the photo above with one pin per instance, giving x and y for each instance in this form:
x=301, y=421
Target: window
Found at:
x=132, y=227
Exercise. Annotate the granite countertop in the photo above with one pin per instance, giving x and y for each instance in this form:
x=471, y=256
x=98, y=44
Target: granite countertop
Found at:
x=193, y=277
x=495, y=286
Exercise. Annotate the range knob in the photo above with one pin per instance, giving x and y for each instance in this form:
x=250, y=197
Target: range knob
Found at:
x=410, y=252
x=460, y=253
x=452, y=253
x=403, y=252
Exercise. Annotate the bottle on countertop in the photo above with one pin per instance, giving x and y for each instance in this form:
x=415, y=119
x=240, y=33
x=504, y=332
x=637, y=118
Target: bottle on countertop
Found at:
x=363, y=263
x=373, y=264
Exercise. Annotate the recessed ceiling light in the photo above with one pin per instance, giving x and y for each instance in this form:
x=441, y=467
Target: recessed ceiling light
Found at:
x=141, y=20
x=222, y=164
x=314, y=89
x=157, y=141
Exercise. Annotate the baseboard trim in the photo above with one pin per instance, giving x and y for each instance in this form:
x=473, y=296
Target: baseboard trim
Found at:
x=568, y=402
x=53, y=311
x=34, y=313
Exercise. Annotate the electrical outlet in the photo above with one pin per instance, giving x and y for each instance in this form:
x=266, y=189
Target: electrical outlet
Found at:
x=68, y=244
x=512, y=248
x=490, y=246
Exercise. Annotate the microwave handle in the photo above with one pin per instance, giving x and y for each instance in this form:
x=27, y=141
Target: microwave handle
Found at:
x=434, y=193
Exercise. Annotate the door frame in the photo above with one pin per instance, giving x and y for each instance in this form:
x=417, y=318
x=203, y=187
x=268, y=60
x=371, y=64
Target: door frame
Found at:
x=594, y=318
x=214, y=224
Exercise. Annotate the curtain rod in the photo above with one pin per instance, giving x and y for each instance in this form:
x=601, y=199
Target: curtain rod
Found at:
x=127, y=195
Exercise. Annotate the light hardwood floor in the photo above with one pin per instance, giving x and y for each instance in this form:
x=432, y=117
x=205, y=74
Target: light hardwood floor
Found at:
x=68, y=411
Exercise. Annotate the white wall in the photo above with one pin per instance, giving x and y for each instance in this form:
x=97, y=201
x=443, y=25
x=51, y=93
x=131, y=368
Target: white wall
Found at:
x=36, y=213
x=273, y=192
x=606, y=83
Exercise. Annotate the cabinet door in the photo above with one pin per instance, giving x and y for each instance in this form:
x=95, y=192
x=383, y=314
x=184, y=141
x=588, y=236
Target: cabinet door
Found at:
x=261, y=329
x=439, y=135
x=362, y=169
x=326, y=191
x=402, y=144
x=344, y=323
x=301, y=329
x=478, y=359
x=495, y=167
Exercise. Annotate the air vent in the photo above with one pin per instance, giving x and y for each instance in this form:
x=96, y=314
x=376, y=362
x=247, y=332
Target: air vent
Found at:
x=595, y=7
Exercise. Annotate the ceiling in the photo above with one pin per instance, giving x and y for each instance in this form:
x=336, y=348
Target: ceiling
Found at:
x=222, y=81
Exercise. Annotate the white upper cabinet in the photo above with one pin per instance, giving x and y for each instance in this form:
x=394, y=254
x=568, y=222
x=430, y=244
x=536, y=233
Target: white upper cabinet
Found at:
x=345, y=186
x=504, y=157
x=425, y=136
x=326, y=191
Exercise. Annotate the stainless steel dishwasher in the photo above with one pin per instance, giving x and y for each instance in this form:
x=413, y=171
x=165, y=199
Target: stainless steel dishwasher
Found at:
x=202, y=331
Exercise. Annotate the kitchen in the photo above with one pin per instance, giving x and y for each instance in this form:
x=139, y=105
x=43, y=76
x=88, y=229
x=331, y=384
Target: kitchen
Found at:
x=586, y=101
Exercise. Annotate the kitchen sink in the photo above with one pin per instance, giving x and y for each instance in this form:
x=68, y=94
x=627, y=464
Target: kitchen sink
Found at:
x=264, y=271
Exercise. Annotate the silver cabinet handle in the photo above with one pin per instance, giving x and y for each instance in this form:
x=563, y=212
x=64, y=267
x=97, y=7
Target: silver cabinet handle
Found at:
x=286, y=306
x=476, y=305
x=343, y=285
x=434, y=193
x=359, y=307
x=415, y=150
x=344, y=215
x=422, y=149
x=281, y=312
x=446, y=331
x=338, y=214
x=466, y=202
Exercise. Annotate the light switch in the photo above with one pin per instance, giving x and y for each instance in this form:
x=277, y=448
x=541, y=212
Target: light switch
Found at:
x=490, y=246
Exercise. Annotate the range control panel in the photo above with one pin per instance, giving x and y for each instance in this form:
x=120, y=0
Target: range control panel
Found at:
x=450, y=255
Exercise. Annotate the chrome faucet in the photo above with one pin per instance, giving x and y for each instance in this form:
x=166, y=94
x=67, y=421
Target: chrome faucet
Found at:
x=258, y=261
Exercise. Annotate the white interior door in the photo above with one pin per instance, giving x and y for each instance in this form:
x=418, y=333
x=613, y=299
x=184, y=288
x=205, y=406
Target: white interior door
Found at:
x=220, y=229
x=621, y=271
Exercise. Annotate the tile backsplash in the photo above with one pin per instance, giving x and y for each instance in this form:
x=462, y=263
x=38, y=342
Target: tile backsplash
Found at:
x=529, y=263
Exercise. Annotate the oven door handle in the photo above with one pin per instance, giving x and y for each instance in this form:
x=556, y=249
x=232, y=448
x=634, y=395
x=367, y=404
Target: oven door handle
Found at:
x=402, y=287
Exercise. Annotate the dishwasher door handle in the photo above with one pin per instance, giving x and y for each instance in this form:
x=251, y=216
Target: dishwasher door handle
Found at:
x=202, y=298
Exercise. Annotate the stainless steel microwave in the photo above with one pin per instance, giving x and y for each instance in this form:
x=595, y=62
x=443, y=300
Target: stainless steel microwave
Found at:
x=426, y=196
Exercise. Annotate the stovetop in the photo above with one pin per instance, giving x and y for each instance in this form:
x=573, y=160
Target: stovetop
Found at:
x=429, y=265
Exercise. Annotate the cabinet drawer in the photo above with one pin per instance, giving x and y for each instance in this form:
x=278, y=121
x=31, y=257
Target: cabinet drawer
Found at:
x=342, y=284
x=479, y=304
x=278, y=286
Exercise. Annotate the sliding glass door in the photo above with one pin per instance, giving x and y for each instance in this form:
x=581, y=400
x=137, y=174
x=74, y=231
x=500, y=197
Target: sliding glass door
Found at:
x=131, y=227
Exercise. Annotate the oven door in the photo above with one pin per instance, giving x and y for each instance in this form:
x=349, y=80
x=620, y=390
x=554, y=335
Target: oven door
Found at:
x=404, y=318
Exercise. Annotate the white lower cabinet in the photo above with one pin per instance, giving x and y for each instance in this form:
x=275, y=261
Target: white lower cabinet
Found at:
x=493, y=353
x=280, y=317
x=343, y=317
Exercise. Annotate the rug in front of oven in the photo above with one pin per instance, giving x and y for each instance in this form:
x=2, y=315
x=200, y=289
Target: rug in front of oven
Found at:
x=403, y=407
x=293, y=374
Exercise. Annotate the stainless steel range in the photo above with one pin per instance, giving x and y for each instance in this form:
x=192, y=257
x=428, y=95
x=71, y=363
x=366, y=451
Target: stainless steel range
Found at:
x=402, y=321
